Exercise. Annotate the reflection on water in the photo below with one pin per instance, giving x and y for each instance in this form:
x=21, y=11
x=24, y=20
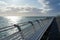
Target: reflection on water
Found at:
x=10, y=20
x=13, y=19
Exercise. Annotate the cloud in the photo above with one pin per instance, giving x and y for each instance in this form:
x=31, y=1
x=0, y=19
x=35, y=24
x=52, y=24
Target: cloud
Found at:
x=18, y=9
x=2, y=4
x=14, y=9
x=49, y=7
x=52, y=7
x=32, y=11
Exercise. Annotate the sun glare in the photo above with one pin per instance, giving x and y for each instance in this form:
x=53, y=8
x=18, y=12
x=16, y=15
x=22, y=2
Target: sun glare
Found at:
x=13, y=19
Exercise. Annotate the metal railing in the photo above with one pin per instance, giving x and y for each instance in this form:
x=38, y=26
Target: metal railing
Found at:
x=31, y=30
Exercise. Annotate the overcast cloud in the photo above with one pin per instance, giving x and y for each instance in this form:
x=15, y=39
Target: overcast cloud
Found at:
x=47, y=7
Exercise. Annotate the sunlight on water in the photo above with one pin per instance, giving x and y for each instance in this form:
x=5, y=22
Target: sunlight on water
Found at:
x=13, y=19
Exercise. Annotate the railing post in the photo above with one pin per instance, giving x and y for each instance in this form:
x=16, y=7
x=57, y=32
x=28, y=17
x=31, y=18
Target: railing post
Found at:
x=18, y=27
x=32, y=25
x=42, y=22
x=38, y=21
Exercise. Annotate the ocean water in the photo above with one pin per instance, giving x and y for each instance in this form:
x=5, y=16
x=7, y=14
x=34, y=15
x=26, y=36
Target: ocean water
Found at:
x=10, y=20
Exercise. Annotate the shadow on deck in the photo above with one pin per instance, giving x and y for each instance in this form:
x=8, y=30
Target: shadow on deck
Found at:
x=53, y=32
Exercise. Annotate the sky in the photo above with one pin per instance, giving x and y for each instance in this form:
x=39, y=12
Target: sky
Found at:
x=41, y=7
x=22, y=2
